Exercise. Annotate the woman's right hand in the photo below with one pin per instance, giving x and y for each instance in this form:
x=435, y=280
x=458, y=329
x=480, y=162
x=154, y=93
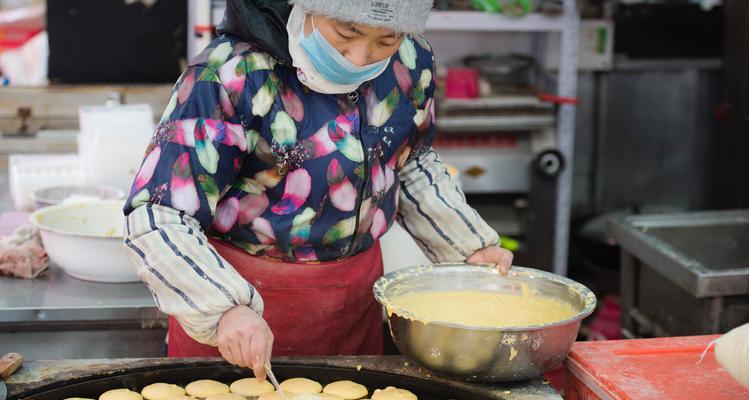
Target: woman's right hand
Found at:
x=244, y=339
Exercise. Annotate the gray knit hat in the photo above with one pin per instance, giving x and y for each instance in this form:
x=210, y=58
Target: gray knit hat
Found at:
x=407, y=16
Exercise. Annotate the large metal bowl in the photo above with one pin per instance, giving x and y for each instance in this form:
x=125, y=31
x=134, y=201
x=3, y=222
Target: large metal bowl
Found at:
x=483, y=353
x=55, y=195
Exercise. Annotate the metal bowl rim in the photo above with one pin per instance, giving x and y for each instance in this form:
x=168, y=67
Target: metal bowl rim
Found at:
x=586, y=295
x=41, y=196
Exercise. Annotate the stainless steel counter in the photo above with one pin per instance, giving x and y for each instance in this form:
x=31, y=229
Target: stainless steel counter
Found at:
x=683, y=274
x=57, y=316
x=55, y=296
x=705, y=253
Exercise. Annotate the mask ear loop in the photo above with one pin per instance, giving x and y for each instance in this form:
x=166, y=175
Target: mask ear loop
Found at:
x=304, y=23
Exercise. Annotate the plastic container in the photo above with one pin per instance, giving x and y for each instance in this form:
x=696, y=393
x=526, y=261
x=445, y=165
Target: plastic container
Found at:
x=29, y=173
x=462, y=83
x=112, y=142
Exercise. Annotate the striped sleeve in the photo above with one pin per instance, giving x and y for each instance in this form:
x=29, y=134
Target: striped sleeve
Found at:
x=433, y=209
x=187, y=277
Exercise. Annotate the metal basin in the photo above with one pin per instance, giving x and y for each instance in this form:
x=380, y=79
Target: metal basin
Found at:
x=484, y=353
x=75, y=194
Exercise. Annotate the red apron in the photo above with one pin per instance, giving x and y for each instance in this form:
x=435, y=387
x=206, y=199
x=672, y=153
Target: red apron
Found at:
x=312, y=309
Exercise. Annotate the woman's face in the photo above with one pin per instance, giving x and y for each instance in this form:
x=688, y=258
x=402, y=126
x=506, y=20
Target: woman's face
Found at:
x=360, y=44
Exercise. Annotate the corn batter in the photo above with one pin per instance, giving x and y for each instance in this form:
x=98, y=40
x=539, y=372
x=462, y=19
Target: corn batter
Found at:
x=486, y=309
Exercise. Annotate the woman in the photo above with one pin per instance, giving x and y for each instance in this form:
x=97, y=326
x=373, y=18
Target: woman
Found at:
x=282, y=157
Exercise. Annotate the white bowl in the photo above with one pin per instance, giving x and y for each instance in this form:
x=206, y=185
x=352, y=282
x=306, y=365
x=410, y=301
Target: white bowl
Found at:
x=86, y=240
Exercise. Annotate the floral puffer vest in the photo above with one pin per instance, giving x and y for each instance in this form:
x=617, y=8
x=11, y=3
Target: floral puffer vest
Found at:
x=281, y=171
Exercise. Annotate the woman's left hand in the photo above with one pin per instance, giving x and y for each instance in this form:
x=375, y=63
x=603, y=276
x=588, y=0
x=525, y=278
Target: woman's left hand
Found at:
x=493, y=255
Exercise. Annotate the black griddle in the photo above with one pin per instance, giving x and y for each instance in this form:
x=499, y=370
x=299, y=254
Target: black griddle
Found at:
x=137, y=378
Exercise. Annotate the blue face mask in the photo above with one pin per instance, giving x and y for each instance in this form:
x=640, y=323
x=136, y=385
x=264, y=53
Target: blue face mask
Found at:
x=332, y=65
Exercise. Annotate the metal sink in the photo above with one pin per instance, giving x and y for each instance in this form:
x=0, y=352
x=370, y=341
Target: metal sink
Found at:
x=714, y=247
x=705, y=253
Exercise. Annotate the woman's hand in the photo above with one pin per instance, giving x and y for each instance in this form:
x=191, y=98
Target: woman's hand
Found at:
x=493, y=255
x=244, y=339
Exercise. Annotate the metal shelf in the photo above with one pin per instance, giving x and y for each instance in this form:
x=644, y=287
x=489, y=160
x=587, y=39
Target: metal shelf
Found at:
x=568, y=27
x=505, y=102
x=499, y=123
x=497, y=113
x=482, y=21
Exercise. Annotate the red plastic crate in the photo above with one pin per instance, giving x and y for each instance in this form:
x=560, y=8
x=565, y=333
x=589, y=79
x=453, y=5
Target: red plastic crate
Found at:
x=663, y=369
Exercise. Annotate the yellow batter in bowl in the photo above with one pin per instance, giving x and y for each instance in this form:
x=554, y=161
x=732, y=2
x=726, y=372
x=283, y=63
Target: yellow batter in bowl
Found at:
x=481, y=308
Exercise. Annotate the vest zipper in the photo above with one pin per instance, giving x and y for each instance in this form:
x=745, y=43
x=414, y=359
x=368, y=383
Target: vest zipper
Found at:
x=353, y=97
